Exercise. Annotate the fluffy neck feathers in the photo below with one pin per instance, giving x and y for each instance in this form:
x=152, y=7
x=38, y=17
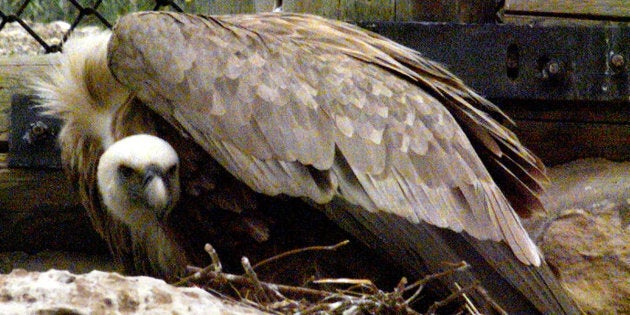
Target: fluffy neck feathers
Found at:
x=82, y=90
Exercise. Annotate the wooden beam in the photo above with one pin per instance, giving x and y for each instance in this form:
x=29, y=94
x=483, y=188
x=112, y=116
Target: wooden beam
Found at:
x=365, y=10
x=227, y=7
x=39, y=210
x=457, y=11
x=579, y=9
x=556, y=20
x=463, y=11
x=593, y=112
x=22, y=189
x=557, y=142
x=326, y=8
x=559, y=132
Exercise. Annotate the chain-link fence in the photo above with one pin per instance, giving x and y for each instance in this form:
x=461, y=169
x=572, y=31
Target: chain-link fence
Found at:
x=105, y=13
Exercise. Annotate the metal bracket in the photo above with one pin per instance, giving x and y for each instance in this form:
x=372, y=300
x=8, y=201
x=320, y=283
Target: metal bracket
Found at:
x=524, y=62
x=33, y=137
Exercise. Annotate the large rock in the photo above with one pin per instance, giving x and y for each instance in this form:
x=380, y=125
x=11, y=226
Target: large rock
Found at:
x=586, y=236
x=61, y=292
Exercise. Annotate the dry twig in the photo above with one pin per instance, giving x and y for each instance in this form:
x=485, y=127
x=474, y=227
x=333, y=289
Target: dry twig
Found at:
x=301, y=250
x=362, y=297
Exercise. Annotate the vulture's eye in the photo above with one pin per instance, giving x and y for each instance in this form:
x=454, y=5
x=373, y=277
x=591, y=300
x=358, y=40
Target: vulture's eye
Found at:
x=126, y=171
x=172, y=170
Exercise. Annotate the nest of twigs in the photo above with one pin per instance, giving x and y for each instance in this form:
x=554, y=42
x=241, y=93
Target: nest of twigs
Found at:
x=337, y=296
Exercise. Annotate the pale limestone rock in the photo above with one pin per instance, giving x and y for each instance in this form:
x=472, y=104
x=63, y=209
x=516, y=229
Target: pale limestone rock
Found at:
x=61, y=292
x=586, y=235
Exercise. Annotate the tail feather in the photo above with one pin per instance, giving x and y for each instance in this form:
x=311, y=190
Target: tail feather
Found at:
x=422, y=248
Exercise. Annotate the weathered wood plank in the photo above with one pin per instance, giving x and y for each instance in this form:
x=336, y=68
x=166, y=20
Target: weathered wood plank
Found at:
x=39, y=210
x=465, y=11
x=459, y=11
x=562, y=132
x=326, y=8
x=569, y=111
x=228, y=7
x=556, y=142
x=556, y=20
x=219, y=7
x=22, y=189
x=578, y=8
x=365, y=10
x=14, y=73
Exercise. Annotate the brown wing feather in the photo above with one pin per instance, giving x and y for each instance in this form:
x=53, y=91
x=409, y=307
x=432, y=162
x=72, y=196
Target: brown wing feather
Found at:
x=269, y=95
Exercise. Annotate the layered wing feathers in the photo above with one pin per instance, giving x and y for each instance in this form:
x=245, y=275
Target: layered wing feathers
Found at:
x=274, y=97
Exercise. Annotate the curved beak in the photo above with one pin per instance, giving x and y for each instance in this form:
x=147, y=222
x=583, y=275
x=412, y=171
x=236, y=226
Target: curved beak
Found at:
x=157, y=194
x=150, y=173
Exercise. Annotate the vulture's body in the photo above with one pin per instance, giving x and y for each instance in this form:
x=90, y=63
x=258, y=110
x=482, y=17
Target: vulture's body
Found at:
x=389, y=145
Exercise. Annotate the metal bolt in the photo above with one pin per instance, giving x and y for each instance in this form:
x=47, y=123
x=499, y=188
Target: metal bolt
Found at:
x=512, y=63
x=39, y=130
x=552, y=70
x=617, y=61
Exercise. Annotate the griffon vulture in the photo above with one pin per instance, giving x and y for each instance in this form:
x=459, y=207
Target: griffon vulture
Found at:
x=257, y=109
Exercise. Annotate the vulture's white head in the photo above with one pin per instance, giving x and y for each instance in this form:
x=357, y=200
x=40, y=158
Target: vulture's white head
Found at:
x=138, y=179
